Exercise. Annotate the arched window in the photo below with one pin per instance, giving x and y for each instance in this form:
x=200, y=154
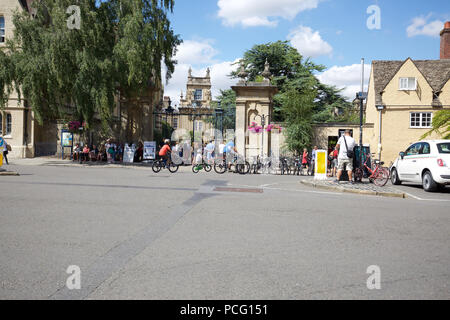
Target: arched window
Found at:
x=2, y=29
x=8, y=124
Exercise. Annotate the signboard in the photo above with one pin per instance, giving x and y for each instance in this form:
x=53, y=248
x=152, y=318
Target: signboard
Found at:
x=128, y=154
x=321, y=165
x=67, y=139
x=149, y=150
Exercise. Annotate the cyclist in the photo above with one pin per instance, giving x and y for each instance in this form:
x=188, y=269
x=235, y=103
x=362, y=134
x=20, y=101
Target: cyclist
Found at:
x=229, y=152
x=165, y=151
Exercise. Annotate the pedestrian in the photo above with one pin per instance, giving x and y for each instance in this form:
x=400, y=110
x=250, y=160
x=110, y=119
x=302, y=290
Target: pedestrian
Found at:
x=209, y=151
x=312, y=166
x=4, y=149
x=334, y=161
x=345, y=145
x=305, y=161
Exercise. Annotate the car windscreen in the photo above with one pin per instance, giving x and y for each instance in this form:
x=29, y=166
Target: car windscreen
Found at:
x=444, y=147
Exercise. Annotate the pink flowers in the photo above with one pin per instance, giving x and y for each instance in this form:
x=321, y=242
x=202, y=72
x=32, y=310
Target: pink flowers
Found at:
x=255, y=128
x=271, y=127
x=74, y=126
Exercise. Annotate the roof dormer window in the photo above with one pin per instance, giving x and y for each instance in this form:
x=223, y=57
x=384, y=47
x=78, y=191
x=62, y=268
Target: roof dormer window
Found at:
x=408, y=84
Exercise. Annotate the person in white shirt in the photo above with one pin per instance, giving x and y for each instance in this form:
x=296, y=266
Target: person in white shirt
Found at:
x=344, y=162
x=209, y=151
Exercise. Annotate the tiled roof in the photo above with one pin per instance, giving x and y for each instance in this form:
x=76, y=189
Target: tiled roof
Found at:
x=436, y=72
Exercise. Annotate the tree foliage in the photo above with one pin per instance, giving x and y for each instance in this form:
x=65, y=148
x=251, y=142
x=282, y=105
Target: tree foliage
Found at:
x=290, y=71
x=440, y=125
x=302, y=99
x=119, y=46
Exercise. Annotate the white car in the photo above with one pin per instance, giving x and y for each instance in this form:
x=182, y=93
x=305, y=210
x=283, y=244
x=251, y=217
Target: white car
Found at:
x=426, y=162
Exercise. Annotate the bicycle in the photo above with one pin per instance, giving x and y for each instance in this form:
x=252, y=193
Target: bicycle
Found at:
x=202, y=166
x=241, y=167
x=160, y=164
x=379, y=175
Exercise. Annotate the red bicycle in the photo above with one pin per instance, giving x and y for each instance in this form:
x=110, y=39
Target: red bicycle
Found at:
x=379, y=175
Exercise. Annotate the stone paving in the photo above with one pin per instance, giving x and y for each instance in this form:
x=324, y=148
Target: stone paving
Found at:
x=365, y=187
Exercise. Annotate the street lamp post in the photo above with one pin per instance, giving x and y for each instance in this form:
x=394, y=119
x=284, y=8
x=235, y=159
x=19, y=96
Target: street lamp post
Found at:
x=263, y=124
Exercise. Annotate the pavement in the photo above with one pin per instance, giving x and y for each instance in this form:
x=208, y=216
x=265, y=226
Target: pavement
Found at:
x=364, y=187
x=140, y=235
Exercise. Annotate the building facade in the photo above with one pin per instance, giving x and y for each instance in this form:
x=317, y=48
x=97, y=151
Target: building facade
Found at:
x=133, y=118
x=195, y=108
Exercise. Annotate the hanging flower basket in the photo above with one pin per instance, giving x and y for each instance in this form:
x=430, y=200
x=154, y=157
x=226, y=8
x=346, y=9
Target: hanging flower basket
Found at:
x=255, y=128
x=76, y=126
x=275, y=128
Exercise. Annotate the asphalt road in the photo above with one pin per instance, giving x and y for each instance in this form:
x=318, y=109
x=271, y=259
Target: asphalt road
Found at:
x=139, y=235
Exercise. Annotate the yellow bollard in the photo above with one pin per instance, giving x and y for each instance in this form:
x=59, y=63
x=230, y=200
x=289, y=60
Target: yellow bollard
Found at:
x=321, y=165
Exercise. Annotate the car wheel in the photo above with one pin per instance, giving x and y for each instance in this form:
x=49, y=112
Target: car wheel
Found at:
x=394, y=177
x=429, y=185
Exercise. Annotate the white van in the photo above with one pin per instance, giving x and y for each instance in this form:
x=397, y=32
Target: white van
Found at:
x=426, y=162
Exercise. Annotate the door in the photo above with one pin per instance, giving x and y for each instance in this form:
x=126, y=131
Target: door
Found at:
x=406, y=167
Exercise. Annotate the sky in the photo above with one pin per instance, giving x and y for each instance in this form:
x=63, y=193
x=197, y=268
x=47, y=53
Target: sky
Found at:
x=334, y=33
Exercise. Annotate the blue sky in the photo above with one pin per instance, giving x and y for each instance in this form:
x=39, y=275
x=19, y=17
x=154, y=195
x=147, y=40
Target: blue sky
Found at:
x=333, y=32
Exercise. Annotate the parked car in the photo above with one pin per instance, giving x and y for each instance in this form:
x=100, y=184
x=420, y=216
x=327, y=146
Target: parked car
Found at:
x=426, y=162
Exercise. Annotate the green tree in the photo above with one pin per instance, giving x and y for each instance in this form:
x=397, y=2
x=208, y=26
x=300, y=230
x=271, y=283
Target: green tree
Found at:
x=297, y=108
x=440, y=125
x=61, y=71
x=227, y=99
x=291, y=71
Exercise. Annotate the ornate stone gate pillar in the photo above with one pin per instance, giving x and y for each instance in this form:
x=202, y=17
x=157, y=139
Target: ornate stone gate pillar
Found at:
x=253, y=102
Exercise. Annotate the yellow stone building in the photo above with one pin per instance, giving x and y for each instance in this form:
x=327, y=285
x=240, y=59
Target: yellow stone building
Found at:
x=403, y=96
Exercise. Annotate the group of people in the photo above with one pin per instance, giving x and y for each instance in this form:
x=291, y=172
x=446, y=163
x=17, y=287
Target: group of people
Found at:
x=197, y=152
x=110, y=152
x=338, y=158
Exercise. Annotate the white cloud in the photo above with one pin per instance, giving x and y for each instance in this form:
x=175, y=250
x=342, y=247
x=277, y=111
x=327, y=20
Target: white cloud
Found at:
x=308, y=42
x=199, y=55
x=196, y=52
x=348, y=77
x=421, y=26
x=252, y=13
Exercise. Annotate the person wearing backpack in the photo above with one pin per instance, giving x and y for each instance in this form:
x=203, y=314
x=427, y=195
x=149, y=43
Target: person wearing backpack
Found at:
x=345, y=145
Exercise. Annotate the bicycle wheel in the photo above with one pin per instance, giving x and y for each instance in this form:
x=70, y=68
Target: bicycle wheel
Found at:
x=358, y=175
x=207, y=167
x=243, y=168
x=173, y=168
x=220, y=168
x=156, y=167
x=382, y=177
x=195, y=169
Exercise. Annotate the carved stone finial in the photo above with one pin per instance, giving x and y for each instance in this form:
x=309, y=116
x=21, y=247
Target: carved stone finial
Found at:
x=242, y=73
x=181, y=95
x=208, y=73
x=266, y=73
x=190, y=72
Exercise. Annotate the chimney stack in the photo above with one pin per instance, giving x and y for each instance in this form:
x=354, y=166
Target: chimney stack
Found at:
x=445, y=41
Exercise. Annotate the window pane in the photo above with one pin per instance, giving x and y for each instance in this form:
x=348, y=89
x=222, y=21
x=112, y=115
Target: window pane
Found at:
x=198, y=94
x=412, y=83
x=425, y=148
x=8, y=124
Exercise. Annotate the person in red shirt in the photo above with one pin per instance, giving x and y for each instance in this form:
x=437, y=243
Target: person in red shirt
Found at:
x=334, y=161
x=165, y=150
